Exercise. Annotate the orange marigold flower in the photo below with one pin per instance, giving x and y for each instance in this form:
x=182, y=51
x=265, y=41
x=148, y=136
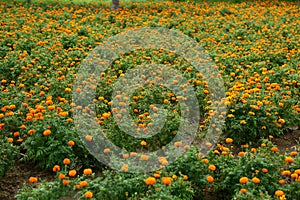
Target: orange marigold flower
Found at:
x=294, y=176
x=294, y=153
x=72, y=172
x=212, y=167
x=88, y=138
x=241, y=154
x=125, y=156
x=66, y=161
x=243, y=190
x=279, y=193
x=61, y=176
x=275, y=149
x=205, y=161
x=281, y=181
x=87, y=171
x=286, y=173
x=56, y=168
x=185, y=177
x=66, y=182
x=106, y=150
x=77, y=186
x=88, y=194
x=297, y=171
x=83, y=183
x=166, y=180
x=47, y=132
x=71, y=143
x=33, y=179
x=256, y=180
x=265, y=170
x=244, y=180
x=210, y=179
x=144, y=157
x=177, y=144
x=133, y=154
x=289, y=159
x=124, y=168
x=10, y=140
x=150, y=181
x=229, y=140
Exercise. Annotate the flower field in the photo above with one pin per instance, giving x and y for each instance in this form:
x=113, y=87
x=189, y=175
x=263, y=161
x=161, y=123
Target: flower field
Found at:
x=255, y=46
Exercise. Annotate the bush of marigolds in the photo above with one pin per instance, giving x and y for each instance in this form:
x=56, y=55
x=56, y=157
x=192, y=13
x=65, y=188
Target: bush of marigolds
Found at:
x=255, y=47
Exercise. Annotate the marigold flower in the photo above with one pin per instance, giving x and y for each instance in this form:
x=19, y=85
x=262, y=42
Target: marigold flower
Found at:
x=106, y=150
x=279, y=193
x=87, y=171
x=10, y=140
x=294, y=153
x=88, y=194
x=210, y=179
x=72, y=173
x=241, y=154
x=71, y=143
x=88, y=138
x=124, y=168
x=144, y=157
x=256, y=180
x=265, y=170
x=243, y=190
x=56, y=168
x=229, y=140
x=289, y=159
x=166, y=180
x=212, y=167
x=244, y=180
x=286, y=173
x=66, y=161
x=294, y=175
x=143, y=143
x=205, y=161
x=275, y=149
x=185, y=177
x=133, y=154
x=47, y=132
x=150, y=181
x=177, y=144
x=156, y=175
x=61, y=176
x=33, y=179
x=66, y=182
x=281, y=181
x=83, y=183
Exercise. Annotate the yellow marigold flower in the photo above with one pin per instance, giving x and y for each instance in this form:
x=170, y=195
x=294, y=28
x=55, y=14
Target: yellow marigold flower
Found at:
x=143, y=143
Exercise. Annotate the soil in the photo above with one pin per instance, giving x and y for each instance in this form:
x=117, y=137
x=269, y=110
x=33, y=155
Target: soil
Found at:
x=17, y=177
